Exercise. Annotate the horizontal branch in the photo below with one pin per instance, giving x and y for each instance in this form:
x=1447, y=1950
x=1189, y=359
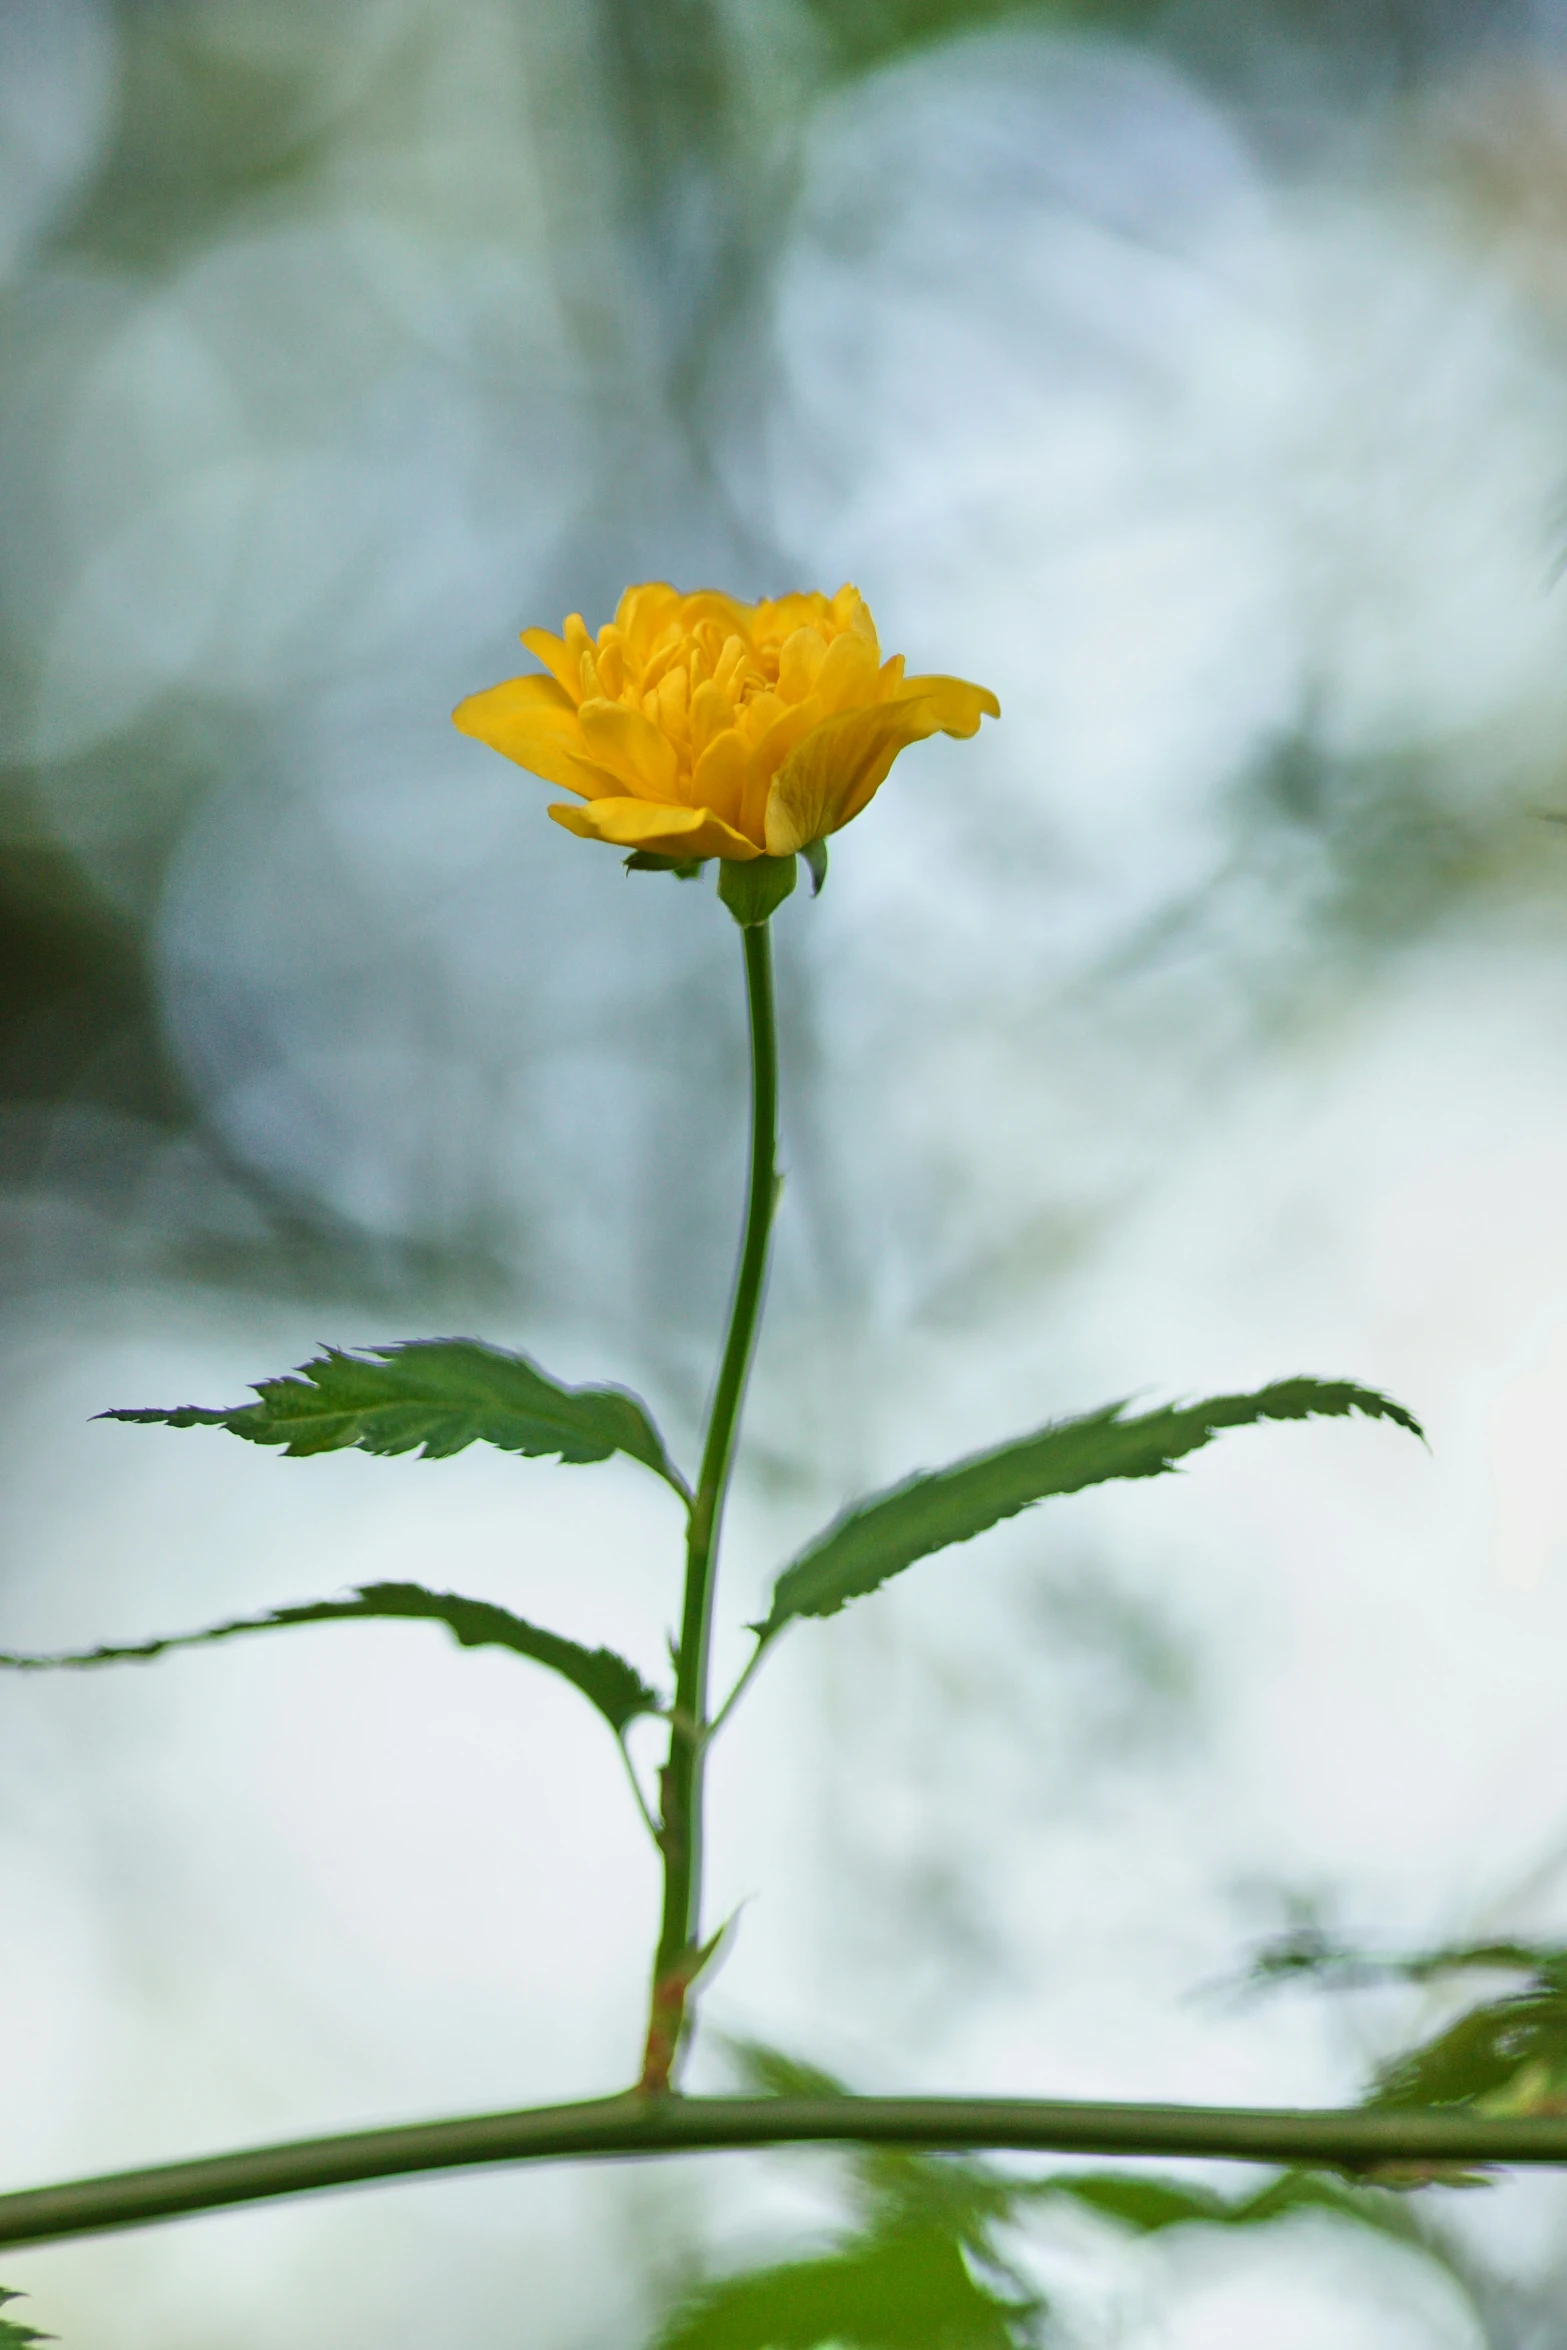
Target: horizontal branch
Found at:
x=1356, y=2140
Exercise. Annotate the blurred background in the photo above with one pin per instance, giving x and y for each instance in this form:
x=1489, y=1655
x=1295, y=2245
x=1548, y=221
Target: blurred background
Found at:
x=1195, y=376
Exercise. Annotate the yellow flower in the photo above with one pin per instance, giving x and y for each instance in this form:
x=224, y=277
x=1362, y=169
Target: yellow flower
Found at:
x=700, y=727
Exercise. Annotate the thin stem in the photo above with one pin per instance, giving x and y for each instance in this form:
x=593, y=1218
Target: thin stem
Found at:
x=648, y=1820
x=1358, y=2140
x=736, y=1693
x=681, y=1780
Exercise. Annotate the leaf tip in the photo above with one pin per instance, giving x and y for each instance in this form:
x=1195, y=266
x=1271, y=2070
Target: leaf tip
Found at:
x=1371, y=1404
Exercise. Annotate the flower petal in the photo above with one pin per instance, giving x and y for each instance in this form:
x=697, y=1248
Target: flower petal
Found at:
x=641, y=613
x=792, y=727
x=530, y=719
x=850, y=610
x=594, y=783
x=564, y=665
x=832, y=766
x=958, y=706
x=838, y=767
x=778, y=620
x=712, y=712
x=721, y=774
x=850, y=673
x=610, y=662
x=671, y=712
x=702, y=726
x=711, y=604
x=630, y=746
x=667, y=831
x=785, y=727
x=800, y=659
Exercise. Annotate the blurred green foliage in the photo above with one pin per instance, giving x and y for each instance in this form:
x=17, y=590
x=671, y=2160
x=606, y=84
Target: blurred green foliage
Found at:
x=77, y=1006
x=217, y=108
x=864, y=33
x=1505, y=2055
x=13, y=2336
x=928, y=2254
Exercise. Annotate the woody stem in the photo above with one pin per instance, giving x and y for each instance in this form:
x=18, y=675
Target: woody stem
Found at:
x=681, y=1781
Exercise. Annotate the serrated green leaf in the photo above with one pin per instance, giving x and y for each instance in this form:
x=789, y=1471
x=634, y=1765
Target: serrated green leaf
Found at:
x=906, y=2291
x=435, y=1396
x=1146, y=2206
x=15, y=2337
x=879, y=1537
x=1385, y=2213
x=605, y=1679
x=1149, y=2206
x=1311, y=1954
x=770, y=2072
x=896, y=2190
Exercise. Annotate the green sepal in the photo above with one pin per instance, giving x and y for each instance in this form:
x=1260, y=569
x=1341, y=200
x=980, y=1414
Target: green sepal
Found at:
x=650, y=861
x=435, y=1396
x=604, y=1679
x=815, y=855
x=879, y=1537
x=754, y=889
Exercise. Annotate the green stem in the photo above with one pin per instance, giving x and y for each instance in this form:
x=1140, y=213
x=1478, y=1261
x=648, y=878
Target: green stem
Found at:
x=1356, y=2140
x=738, y=1691
x=680, y=1782
x=648, y=1820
